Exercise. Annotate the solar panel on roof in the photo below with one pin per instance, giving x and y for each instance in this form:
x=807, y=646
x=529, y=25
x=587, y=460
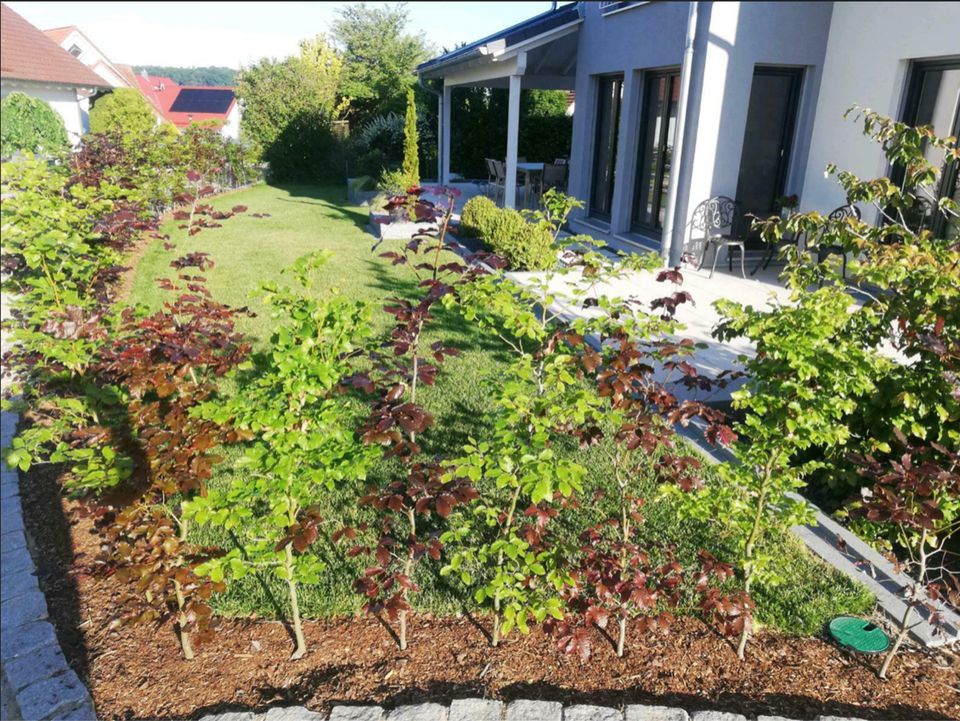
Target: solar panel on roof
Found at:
x=202, y=100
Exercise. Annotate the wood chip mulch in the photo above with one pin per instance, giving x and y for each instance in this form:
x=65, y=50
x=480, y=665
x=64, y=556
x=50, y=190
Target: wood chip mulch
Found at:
x=137, y=672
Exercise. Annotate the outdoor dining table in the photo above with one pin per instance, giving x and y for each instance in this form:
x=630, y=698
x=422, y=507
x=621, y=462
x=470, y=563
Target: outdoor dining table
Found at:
x=530, y=171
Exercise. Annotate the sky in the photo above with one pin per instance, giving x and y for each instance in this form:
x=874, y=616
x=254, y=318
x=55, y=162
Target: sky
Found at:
x=239, y=33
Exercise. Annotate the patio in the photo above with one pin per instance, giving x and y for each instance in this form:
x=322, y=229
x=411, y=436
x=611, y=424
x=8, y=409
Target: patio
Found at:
x=540, y=53
x=699, y=318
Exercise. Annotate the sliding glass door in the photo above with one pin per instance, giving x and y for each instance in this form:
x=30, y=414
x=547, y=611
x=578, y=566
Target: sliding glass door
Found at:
x=610, y=93
x=767, y=141
x=657, y=135
x=933, y=98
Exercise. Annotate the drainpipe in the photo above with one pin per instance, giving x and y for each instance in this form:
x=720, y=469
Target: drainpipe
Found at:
x=439, y=126
x=686, y=68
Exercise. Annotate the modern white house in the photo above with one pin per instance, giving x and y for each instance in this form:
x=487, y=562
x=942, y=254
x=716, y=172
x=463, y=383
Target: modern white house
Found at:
x=33, y=64
x=677, y=102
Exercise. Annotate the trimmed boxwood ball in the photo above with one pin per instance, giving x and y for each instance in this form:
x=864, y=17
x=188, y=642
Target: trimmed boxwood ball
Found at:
x=477, y=215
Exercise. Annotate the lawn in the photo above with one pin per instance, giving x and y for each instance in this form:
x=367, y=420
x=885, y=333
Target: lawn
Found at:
x=248, y=251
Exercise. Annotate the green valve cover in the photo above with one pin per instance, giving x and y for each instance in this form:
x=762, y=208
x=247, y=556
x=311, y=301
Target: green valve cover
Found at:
x=859, y=635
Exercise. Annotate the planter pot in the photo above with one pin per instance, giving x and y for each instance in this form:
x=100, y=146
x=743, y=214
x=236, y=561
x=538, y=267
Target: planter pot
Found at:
x=388, y=227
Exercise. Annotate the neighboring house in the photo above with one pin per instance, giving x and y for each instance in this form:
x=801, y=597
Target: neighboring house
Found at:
x=681, y=101
x=72, y=39
x=32, y=63
x=186, y=104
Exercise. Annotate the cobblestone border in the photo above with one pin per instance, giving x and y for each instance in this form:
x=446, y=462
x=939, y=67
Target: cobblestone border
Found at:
x=36, y=677
x=475, y=709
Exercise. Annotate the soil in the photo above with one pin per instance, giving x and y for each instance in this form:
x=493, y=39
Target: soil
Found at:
x=138, y=673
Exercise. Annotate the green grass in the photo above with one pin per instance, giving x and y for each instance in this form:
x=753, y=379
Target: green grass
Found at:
x=248, y=251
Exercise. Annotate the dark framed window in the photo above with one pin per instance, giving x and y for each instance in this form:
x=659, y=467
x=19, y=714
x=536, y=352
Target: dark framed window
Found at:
x=933, y=98
x=767, y=143
x=609, y=96
x=658, y=130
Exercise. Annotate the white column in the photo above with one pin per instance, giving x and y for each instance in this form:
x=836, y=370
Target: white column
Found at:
x=445, y=134
x=513, y=142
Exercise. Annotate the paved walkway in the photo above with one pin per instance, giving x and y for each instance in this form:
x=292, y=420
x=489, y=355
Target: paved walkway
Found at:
x=699, y=318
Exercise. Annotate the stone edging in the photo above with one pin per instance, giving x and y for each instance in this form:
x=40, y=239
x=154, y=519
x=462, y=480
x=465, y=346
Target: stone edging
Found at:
x=475, y=709
x=36, y=677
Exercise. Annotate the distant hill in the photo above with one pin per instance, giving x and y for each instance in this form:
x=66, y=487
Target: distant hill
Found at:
x=211, y=75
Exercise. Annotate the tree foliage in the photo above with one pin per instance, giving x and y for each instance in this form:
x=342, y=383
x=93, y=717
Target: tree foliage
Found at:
x=862, y=371
x=123, y=111
x=379, y=56
x=207, y=75
x=30, y=125
x=411, y=150
x=288, y=107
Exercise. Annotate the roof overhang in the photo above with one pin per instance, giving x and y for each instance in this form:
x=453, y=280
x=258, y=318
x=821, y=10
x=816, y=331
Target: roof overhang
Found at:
x=542, y=49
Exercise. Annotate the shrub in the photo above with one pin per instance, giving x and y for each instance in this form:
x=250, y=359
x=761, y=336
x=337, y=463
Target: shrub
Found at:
x=525, y=246
x=478, y=214
x=393, y=182
x=123, y=111
x=411, y=156
x=31, y=125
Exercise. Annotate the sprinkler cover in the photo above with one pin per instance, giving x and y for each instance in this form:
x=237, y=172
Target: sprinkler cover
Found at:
x=859, y=634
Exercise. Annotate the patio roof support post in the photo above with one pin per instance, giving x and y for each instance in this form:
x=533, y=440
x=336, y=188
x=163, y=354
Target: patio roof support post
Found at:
x=513, y=142
x=446, y=101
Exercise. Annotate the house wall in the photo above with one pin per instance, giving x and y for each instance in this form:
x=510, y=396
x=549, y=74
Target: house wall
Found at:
x=94, y=59
x=65, y=101
x=867, y=61
x=732, y=38
x=644, y=36
x=231, y=129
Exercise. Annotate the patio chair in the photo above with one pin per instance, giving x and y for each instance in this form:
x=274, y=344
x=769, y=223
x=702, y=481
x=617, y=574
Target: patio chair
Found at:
x=491, y=175
x=713, y=224
x=500, y=172
x=823, y=251
x=554, y=176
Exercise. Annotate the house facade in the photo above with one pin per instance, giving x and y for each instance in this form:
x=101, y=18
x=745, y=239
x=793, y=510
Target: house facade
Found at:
x=72, y=39
x=34, y=64
x=681, y=101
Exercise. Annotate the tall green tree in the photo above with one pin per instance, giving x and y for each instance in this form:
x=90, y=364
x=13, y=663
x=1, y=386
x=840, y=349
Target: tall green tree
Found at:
x=380, y=57
x=288, y=107
x=411, y=154
x=123, y=111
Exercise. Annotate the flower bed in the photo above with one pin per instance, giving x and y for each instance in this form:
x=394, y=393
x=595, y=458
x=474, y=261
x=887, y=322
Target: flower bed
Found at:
x=547, y=493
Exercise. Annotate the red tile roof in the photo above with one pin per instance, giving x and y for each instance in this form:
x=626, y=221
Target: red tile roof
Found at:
x=27, y=54
x=58, y=35
x=163, y=92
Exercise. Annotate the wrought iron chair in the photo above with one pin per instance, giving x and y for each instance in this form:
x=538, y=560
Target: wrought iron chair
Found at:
x=713, y=224
x=823, y=251
x=554, y=176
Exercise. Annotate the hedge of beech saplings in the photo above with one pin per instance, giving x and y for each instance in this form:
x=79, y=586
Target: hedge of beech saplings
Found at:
x=129, y=403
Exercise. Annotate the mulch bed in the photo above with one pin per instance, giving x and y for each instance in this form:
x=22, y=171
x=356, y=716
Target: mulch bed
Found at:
x=137, y=672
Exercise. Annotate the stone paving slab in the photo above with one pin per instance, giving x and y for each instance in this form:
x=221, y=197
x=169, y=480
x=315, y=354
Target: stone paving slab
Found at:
x=534, y=711
x=419, y=712
x=585, y=712
x=641, y=712
x=475, y=709
x=356, y=713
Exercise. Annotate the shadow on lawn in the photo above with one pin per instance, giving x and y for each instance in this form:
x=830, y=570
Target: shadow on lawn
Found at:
x=332, y=197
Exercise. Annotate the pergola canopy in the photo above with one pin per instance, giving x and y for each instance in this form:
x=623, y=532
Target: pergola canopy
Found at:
x=539, y=53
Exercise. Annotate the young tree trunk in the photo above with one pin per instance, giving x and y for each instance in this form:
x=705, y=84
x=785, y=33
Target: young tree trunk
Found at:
x=901, y=637
x=622, y=637
x=184, y=636
x=747, y=624
x=301, y=649
x=408, y=572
